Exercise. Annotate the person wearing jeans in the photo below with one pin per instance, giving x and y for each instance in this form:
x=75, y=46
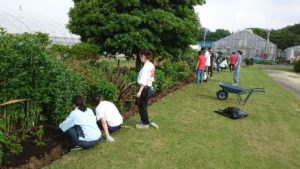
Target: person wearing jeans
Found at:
x=237, y=67
x=74, y=133
x=145, y=79
x=81, y=125
x=200, y=67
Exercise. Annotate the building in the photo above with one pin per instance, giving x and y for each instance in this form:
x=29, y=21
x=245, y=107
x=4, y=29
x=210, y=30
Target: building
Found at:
x=205, y=44
x=292, y=53
x=18, y=22
x=252, y=45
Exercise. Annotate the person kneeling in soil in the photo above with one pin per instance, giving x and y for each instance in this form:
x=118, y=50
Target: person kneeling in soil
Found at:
x=109, y=117
x=81, y=125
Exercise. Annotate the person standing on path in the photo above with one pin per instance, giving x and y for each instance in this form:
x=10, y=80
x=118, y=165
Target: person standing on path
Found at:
x=200, y=67
x=145, y=79
x=237, y=67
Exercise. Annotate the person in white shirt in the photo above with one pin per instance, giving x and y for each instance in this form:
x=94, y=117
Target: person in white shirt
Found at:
x=224, y=64
x=207, y=63
x=81, y=125
x=108, y=115
x=145, y=79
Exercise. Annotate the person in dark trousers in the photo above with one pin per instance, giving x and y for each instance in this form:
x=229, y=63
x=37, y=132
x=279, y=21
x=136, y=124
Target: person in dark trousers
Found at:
x=219, y=61
x=108, y=115
x=81, y=125
x=212, y=58
x=145, y=79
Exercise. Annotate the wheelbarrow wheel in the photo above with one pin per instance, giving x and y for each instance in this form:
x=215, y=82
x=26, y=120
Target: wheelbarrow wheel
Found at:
x=222, y=95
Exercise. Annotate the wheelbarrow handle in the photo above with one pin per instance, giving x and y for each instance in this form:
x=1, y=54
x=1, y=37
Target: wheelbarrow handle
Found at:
x=258, y=90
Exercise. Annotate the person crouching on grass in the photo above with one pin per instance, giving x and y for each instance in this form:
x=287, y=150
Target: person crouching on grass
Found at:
x=81, y=125
x=108, y=116
x=145, y=79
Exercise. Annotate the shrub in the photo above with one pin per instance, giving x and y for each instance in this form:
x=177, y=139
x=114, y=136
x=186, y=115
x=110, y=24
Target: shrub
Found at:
x=60, y=51
x=107, y=90
x=63, y=86
x=251, y=61
x=131, y=76
x=162, y=81
x=85, y=50
x=175, y=70
x=297, y=66
x=247, y=61
x=29, y=72
x=264, y=62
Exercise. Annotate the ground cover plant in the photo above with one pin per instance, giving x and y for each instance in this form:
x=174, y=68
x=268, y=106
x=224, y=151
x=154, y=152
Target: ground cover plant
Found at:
x=191, y=135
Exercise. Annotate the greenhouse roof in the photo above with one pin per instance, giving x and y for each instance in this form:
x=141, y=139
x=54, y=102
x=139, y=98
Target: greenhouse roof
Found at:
x=19, y=21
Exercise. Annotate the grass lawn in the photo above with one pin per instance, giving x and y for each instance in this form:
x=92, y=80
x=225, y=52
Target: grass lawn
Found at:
x=288, y=68
x=191, y=135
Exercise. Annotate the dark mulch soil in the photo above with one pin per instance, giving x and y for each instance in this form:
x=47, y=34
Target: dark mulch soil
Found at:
x=56, y=144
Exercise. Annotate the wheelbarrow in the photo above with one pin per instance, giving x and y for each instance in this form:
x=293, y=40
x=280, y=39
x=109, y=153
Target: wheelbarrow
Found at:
x=239, y=91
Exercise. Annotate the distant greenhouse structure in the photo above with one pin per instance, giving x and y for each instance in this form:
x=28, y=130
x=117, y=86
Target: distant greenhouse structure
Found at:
x=18, y=22
x=252, y=45
x=292, y=53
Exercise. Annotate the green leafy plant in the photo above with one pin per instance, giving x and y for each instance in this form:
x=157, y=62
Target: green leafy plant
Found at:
x=162, y=81
x=297, y=66
x=39, y=133
x=34, y=87
x=249, y=61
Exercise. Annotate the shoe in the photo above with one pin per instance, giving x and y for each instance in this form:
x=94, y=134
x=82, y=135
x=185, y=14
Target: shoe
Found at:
x=76, y=148
x=142, y=126
x=234, y=84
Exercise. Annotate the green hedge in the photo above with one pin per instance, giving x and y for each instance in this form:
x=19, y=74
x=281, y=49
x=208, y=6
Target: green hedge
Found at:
x=29, y=72
x=297, y=66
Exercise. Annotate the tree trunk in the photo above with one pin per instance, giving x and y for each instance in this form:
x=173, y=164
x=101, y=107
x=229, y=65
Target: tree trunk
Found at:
x=138, y=62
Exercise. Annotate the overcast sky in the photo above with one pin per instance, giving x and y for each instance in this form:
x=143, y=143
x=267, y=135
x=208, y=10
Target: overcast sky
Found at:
x=235, y=15
x=232, y=15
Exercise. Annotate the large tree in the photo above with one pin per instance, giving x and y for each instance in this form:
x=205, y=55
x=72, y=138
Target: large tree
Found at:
x=212, y=36
x=283, y=38
x=167, y=27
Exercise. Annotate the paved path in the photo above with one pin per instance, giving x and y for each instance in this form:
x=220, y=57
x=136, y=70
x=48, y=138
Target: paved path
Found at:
x=288, y=79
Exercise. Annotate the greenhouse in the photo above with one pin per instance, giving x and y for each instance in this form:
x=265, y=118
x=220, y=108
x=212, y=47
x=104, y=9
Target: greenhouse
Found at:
x=252, y=45
x=292, y=53
x=17, y=22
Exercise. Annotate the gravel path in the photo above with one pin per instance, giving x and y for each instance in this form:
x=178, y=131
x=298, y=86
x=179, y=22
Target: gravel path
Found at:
x=288, y=79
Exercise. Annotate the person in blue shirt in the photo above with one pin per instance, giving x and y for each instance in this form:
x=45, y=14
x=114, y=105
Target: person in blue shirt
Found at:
x=237, y=67
x=81, y=125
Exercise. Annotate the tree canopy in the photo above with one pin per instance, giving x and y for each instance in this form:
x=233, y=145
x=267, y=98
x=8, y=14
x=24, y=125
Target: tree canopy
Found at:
x=167, y=27
x=283, y=38
x=213, y=36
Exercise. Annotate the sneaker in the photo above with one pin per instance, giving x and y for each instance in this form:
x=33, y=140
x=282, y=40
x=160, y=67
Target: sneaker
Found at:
x=76, y=148
x=234, y=84
x=142, y=126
